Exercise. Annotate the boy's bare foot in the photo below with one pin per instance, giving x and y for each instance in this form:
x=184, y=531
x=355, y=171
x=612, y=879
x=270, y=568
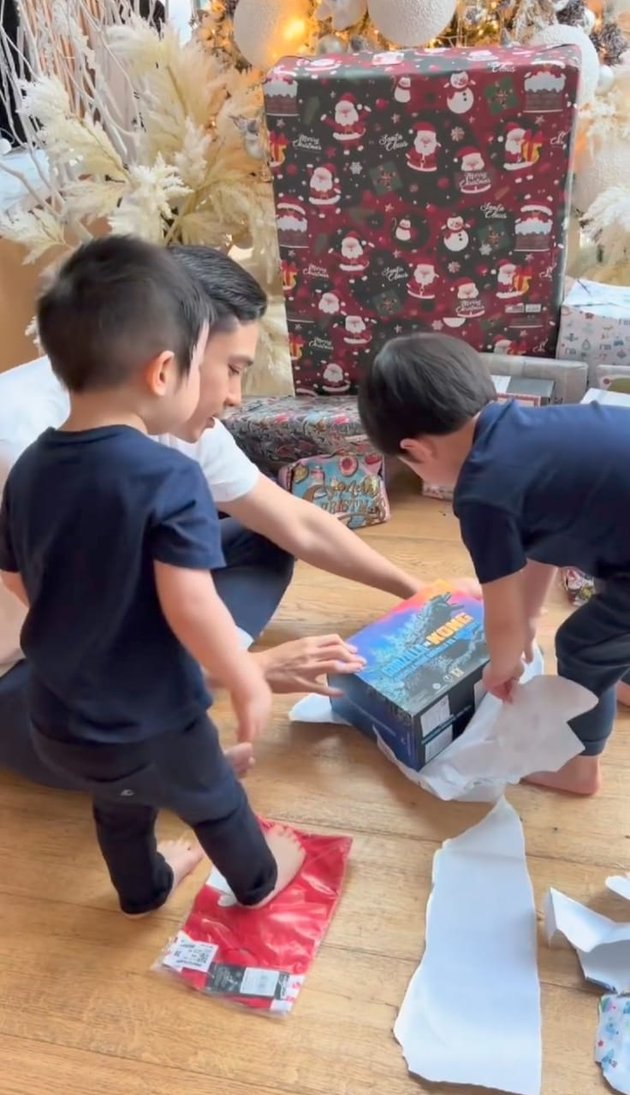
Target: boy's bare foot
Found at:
x=580, y=776
x=288, y=854
x=182, y=856
x=623, y=693
x=241, y=758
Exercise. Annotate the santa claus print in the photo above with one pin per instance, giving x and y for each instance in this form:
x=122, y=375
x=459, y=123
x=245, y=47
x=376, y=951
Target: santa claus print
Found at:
x=347, y=124
x=456, y=237
x=335, y=381
x=512, y=280
x=356, y=332
x=473, y=177
x=423, y=281
x=469, y=306
x=522, y=148
x=354, y=259
x=459, y=93
x=329, y=304
x=423, y=155
x=324, y=186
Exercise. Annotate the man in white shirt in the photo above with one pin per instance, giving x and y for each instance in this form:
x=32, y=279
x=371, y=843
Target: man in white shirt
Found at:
x=264, y=530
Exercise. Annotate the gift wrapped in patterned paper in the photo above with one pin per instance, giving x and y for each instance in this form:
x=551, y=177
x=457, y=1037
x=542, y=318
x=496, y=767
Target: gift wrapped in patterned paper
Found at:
x=595, y=325
x=276, y=431
x=348, y=486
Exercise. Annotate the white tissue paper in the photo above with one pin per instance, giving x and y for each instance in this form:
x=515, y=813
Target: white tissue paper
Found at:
x=502, y=744
x=471, y=1014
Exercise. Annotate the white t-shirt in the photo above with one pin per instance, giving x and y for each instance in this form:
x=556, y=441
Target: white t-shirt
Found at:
x=32, y=400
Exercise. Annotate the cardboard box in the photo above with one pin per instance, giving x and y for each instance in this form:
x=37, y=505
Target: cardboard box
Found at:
x=570, y=378
x=350, y=487
x=422, y=682
x=420, y=188
x=612, y=399
x=595, y=325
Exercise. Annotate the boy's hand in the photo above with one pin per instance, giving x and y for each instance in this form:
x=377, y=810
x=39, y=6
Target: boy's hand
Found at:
x=251, y=701
x=499, y=680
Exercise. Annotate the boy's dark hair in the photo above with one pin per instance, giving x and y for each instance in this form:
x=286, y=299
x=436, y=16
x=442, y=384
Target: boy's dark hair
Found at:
x=233, y=294
x=422, y=384
x=115, y=304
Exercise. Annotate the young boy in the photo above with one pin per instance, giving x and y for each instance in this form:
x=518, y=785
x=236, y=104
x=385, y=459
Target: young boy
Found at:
x=109, y=538
x=535, y=488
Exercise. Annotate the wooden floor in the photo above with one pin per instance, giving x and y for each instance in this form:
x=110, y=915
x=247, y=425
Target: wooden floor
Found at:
x=81, y=1013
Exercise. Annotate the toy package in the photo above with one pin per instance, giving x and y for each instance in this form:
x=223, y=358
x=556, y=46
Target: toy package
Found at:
x=422, y=681
x=259, y=958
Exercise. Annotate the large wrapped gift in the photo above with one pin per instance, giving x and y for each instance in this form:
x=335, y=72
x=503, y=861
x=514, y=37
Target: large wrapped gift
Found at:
x=420, y=189
x=595, y=325
x=280, y=430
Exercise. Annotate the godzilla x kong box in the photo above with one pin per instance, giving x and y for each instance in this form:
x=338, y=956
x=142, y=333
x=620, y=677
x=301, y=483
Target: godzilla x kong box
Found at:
x=420, y=189
x=422, y=679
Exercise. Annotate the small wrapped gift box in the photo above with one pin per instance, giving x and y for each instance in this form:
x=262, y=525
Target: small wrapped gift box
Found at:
x=348, y=486
x=595, y=325
x=277, y=431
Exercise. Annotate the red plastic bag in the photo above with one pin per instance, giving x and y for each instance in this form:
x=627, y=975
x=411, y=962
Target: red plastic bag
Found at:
x=259, y=958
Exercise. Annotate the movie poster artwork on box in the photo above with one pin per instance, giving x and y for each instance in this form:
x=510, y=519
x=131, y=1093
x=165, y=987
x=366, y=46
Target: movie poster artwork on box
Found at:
x=420, y=189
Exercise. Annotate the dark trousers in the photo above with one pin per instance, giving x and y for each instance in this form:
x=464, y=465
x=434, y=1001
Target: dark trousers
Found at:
x=186, y=773
x=251, y=584
x=593, y=648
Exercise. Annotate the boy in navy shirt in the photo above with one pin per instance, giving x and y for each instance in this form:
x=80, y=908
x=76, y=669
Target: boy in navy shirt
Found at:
x=109, y=538
x=535, y=488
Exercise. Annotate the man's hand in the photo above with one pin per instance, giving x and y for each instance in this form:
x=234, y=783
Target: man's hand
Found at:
x=300, y=665
x=499, y=680
x=251, y=700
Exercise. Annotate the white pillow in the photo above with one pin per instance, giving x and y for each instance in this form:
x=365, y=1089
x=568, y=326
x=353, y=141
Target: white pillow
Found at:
x=31, y=400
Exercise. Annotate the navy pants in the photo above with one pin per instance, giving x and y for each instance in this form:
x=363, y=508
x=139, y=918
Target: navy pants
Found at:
x=593, y=648
x=185, y=772
x=251, y=584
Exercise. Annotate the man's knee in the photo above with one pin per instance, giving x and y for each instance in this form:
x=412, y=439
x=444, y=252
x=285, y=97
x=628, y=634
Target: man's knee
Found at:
x=274, y=558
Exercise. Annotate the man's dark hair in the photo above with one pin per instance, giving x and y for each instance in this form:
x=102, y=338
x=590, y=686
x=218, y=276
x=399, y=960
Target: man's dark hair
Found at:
x=234, y=296
x=115, y=304
x=422, y=384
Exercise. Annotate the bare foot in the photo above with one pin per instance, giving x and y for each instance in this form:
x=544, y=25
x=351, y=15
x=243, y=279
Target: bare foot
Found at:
x=182, y=857
x=288, y=854
x=580, y=776
x=623, y=693
x=241, y=758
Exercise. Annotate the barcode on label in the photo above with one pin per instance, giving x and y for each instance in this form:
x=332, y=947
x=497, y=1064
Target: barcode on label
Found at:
x=437, y=744
x=259, y=982
x=435, y=716
x=479, y=693
x=186, y=954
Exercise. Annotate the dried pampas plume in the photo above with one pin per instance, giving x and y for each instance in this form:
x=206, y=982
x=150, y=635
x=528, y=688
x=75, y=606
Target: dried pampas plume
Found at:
x=126, y=126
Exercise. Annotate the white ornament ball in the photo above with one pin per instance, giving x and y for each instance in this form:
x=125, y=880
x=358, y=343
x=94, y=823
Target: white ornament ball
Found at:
x=588, y=20
x=560, y=35
x=606, y=79
x=266, y=30
x=411, y=22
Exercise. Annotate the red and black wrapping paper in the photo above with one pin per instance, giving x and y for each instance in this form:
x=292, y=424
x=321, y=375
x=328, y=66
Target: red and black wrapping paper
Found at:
x=420, y=190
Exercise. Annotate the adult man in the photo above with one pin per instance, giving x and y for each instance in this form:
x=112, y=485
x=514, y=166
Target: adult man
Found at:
x=265, y=527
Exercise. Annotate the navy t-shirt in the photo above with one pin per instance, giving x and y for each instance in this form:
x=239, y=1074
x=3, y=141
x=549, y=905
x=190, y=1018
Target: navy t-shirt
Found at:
x=84, y=517
x=550, y=484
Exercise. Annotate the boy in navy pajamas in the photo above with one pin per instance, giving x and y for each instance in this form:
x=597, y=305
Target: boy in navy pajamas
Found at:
x=535, y=488
x=109, y=538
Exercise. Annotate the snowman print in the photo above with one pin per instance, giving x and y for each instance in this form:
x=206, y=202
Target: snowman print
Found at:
x=459, y=96
x=456, y=237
